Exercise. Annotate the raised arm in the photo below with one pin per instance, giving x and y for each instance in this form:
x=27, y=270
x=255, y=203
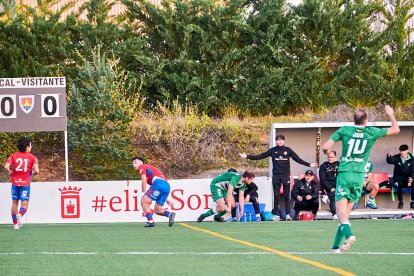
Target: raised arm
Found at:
x=395, y=128
x=328, y=145
x=255, y=157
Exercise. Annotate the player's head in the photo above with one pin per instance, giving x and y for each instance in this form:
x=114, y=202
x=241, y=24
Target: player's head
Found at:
x=309, y=176
x=280, y=140
x=332, y=156
x=232, y=170
x=137, y=161
x=24, y=144
x=248, y=177
x=360, y=117
x=404, y=150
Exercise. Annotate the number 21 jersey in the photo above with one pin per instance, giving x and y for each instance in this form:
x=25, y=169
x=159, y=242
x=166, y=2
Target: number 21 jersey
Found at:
x=22, y=163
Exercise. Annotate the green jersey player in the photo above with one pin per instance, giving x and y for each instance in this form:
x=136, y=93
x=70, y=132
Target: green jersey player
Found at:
x=357, y=142
x=222, y=191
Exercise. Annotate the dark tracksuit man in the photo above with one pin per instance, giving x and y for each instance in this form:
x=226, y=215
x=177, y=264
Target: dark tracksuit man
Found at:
x=403, y=170
x=280, y=155
x=327, y=177
x=306, y=194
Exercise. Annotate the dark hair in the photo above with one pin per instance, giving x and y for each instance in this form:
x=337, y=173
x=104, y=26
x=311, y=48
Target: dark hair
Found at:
x=403, y=147
x=360, y=117
x=280, y=137
x=232, y=170
x=248, y=174
x=138, y=158
x=23, y=143
x=332, y=151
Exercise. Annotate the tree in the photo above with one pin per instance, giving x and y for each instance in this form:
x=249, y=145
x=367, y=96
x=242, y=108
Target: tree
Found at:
x=398, y=53
x=99, y=117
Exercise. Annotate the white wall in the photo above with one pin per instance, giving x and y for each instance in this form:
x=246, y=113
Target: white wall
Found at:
x=48, y=204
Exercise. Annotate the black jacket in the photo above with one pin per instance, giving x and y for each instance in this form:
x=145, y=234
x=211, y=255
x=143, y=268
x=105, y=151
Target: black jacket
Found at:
x=280, y=159
x=251, y=190
x=401, y=171
x=327, y=175
x=301, y=189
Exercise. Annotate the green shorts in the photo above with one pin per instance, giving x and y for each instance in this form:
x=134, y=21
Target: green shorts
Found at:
x=217, y=193
x=349, y=186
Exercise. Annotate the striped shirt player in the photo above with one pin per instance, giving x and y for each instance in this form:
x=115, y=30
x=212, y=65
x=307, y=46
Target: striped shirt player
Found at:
x=158, y=191
x=21, y=166
x=222, y=188
x=357, y=142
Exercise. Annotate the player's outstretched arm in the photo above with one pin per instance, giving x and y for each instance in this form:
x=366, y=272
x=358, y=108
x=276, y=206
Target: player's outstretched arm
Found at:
x=395, y=128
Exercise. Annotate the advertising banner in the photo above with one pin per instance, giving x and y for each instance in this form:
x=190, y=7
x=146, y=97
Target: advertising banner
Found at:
x=113, y=201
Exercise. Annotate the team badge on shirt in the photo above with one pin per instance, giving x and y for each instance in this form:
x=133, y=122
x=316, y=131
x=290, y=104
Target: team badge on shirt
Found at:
x=27, y=103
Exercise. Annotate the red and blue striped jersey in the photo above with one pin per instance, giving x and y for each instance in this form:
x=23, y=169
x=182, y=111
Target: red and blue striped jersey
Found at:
x=150, y=172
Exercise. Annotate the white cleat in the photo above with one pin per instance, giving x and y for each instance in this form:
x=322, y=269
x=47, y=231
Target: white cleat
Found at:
x=335, y=217
x=288, y=218
x=347, y=245
x=276, y=218
x=16, y=227
x=336, y=251
x=19, y=220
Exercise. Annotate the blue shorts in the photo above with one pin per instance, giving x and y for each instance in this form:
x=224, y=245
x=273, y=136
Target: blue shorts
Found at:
x=159, y=191
x=20, y=193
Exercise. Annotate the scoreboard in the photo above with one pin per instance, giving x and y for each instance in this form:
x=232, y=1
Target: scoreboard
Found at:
x=33, y=104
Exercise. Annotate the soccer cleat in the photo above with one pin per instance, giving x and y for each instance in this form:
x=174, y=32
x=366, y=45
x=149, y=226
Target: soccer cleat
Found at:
x=371, y=205
x=412, y=203
x=258, y=219
x=335, y=217
x=276, y=218
x=325, y=199
x=288, y=218
x=150, y=224
x=218, y=218
x=171, y=218
x=232, y=220
x=335, y=251
x=200, y=218
x=19, y=220
x=347, y=245
x=400, y=205
x=16, y=227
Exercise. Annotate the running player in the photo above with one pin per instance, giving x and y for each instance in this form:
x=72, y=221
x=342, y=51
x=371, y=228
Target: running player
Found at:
x=357, y=142
x=159, y=190
x=222, y=191
x=21, y=166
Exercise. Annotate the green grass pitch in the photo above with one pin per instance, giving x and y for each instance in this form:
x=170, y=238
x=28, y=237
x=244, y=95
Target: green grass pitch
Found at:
x=383, y=247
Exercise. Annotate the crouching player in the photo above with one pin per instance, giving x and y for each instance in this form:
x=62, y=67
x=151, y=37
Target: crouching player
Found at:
x=24, y=166
x=222, y=191
x=158, y=191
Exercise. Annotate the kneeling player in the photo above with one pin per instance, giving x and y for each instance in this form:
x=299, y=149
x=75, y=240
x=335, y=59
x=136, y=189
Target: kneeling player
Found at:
x=158, y=191
x=222, y=188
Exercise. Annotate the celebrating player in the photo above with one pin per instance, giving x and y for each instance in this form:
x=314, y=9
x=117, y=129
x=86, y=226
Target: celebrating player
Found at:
x=24, y=166
x=357, y=142
x=159, y=191
x=222, y=190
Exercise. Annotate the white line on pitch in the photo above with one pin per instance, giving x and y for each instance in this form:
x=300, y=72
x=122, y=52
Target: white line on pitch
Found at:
x=198, y=253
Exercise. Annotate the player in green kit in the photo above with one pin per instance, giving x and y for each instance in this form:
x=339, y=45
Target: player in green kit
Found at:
x=222, y=191
x=357, y=142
